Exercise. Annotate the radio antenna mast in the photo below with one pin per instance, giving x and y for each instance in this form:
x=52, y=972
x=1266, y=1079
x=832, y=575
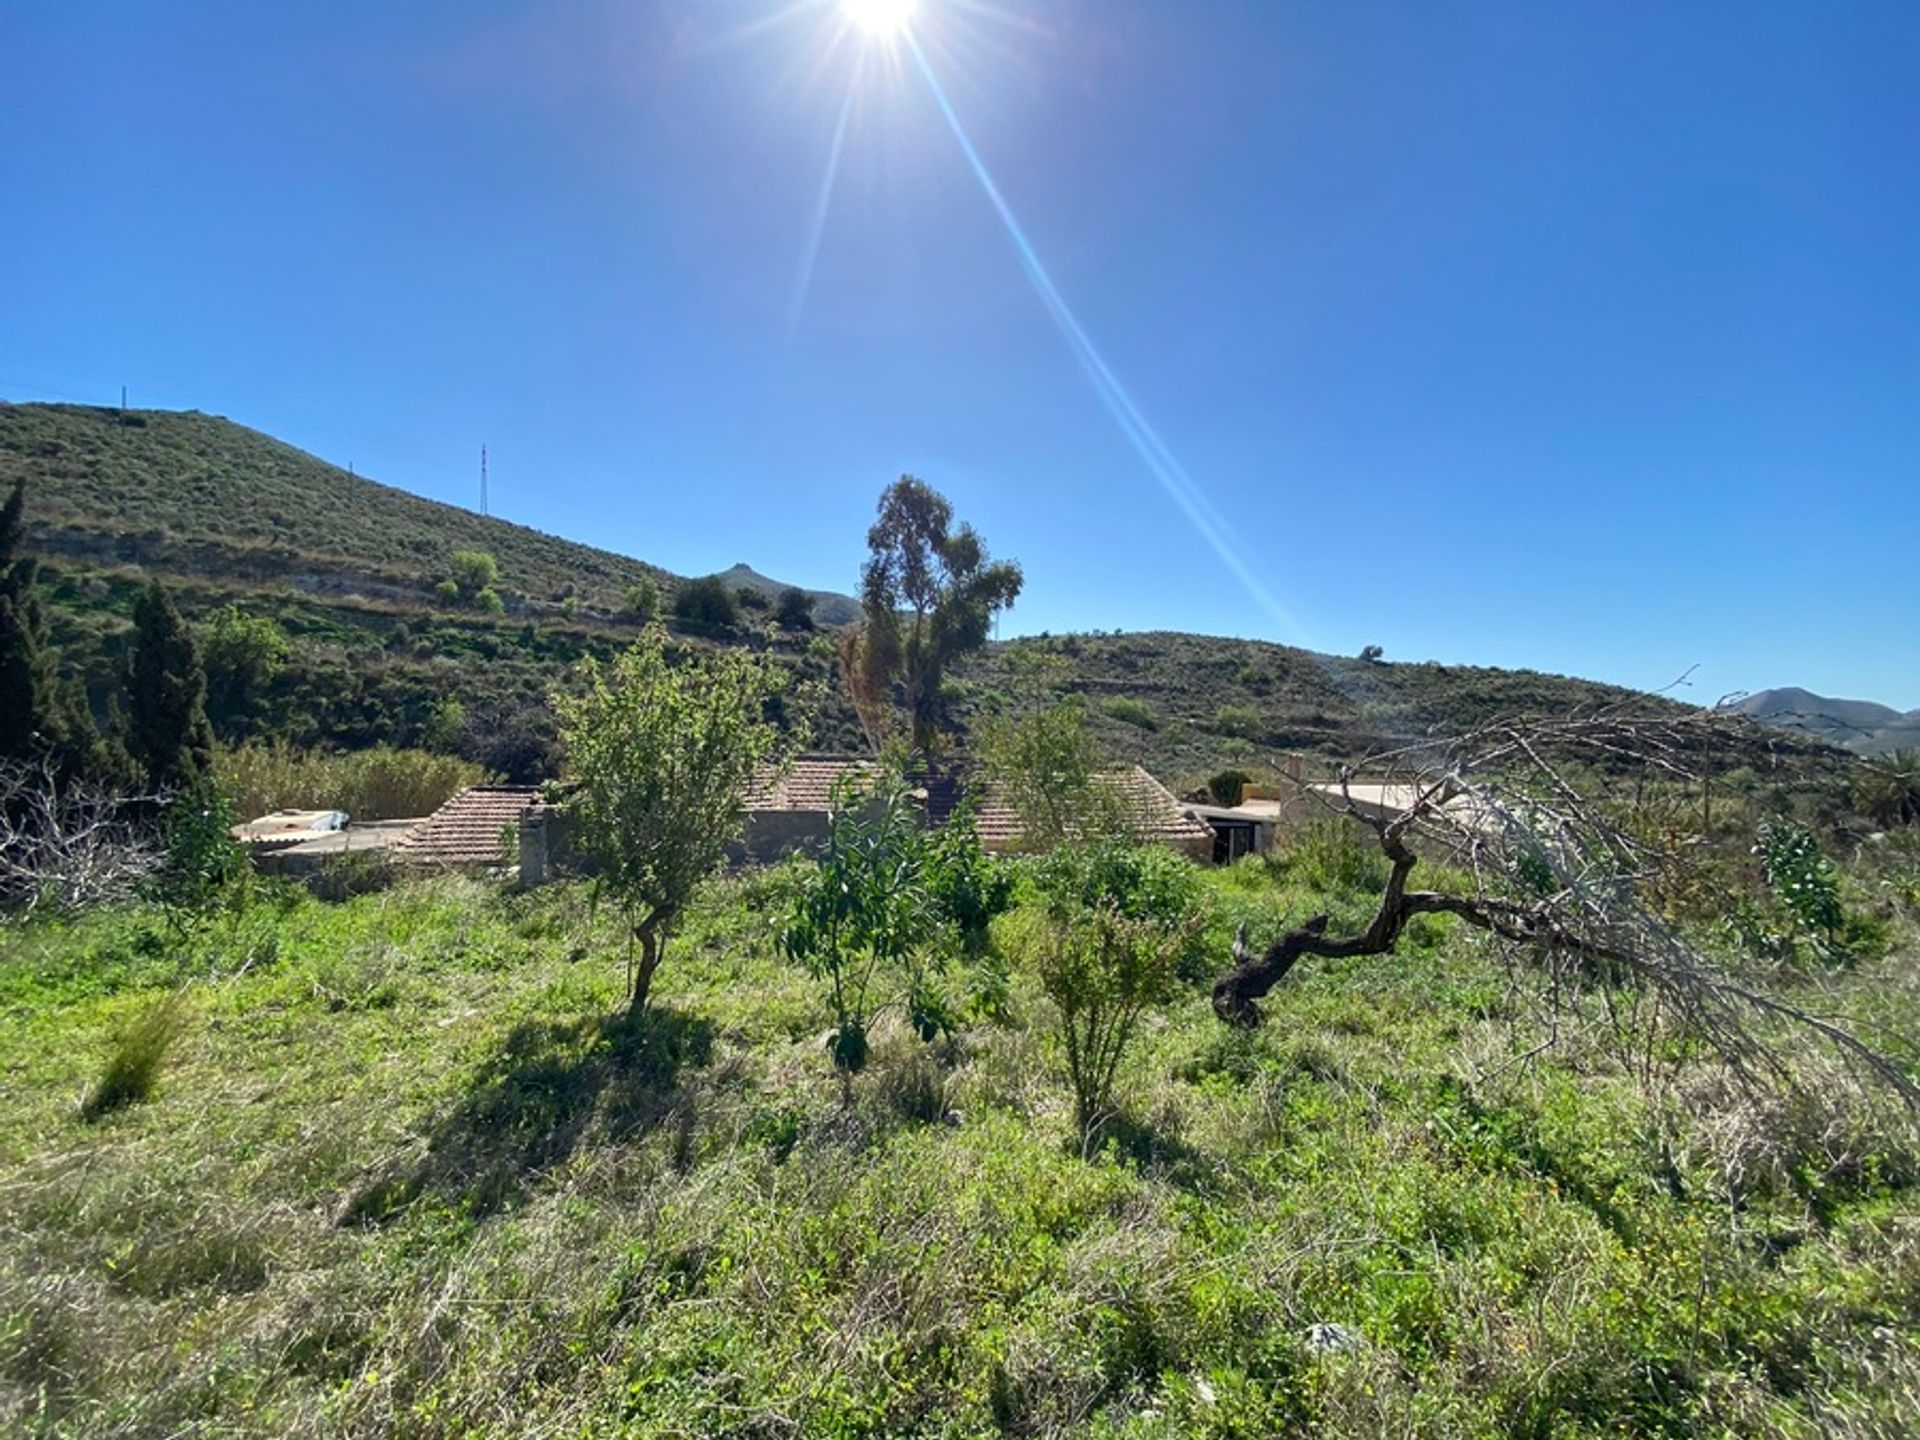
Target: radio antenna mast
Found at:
x=483, y=480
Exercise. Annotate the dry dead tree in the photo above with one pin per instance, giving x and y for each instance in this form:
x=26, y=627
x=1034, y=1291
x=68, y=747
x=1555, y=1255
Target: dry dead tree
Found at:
x=1554, y=874
x=67, y=846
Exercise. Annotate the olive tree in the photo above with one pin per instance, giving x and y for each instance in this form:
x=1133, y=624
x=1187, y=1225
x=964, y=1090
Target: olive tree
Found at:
x=659, y=756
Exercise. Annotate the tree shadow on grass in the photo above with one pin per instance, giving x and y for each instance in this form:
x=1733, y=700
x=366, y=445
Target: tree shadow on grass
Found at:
x=1152, y=1148
x=552, y=1082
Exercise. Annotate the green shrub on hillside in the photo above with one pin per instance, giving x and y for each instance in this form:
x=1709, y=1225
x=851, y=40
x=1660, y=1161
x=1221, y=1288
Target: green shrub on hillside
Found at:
x=1241, y=721
x=1887, y=788
x=446, y=726
x=243, y=653
x=473, y=571
x=1130, y=710
x=706, y=606
x=643, y=601
x=794, y=609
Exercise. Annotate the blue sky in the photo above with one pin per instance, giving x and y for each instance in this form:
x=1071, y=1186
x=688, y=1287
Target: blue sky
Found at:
x=1580, y=337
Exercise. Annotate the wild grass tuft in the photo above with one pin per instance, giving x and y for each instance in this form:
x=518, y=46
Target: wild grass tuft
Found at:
x=134, y=1061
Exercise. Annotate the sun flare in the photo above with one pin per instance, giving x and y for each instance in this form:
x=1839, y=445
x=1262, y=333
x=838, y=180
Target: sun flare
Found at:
x=881, y=19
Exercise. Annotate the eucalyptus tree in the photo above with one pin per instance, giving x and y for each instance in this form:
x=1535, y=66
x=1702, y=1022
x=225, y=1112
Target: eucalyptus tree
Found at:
x=929, y=592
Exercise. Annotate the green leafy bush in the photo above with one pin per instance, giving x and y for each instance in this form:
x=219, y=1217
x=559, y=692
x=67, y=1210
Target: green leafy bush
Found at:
x=1117, y=922
x=446, y=725
x=1142, y=882
x=861, y=913
x=1228, y=786
x=706, y=606
x=968, y=887
x=473, y=571
x=1810, y=913
x=643, y=600
x=242, y=653
x=1328, y=857
x=794, y=609
x=202, y=866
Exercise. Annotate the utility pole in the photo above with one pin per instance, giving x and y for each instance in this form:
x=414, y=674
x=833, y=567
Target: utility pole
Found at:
x=123, y=397
x=483, y=479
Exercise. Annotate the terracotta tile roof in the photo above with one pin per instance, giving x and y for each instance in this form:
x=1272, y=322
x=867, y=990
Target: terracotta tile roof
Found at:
x=467, y=829
x=805, y=783
x=1156, y=816
x=808, y=782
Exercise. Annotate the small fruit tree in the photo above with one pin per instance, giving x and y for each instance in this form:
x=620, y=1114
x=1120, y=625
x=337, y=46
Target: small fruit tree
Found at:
x=659, y=756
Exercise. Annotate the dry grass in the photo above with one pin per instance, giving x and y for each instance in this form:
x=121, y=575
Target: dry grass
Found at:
x=381, y=783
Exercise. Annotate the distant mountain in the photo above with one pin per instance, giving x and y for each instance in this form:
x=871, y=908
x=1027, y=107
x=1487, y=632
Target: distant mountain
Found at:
x=1862, y=726
x=830, y=607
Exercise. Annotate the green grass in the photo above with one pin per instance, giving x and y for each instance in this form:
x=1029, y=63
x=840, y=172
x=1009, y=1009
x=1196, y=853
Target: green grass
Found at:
x=407, y=1173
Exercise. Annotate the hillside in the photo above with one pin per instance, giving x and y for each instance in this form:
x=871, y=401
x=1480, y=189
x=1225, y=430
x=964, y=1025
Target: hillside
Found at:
x=1182, y=704
x=347, y=568
x=830, y=607
x=187, y=493
x=1862, y=726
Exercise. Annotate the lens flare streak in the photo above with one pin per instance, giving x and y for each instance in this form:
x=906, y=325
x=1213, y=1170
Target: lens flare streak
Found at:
x=810, y=255
x=1159, y=460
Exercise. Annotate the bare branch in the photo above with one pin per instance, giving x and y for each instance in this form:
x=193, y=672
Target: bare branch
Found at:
x=1555, y=876
x=66, y=847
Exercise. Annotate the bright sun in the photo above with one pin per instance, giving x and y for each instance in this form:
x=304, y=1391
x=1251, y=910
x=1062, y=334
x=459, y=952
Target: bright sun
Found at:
x=880, y=18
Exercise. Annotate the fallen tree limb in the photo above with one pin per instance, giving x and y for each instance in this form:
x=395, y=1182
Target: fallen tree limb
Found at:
x=1585, y=869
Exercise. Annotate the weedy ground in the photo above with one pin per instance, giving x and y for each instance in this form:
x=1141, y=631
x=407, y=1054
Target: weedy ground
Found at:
x=405, y=1170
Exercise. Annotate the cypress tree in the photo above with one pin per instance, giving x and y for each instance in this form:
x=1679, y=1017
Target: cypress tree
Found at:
x=40, y=718
x=167, y=731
